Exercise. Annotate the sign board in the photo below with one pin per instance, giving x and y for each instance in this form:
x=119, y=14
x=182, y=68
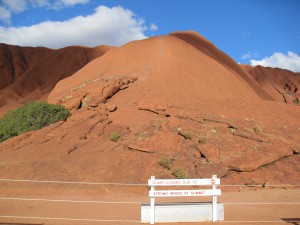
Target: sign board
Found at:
x=183, y=182
x=181, y=193
x=214, y=181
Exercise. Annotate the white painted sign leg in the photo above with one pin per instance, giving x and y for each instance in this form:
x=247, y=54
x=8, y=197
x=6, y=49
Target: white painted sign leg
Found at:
x=152, y=205
x=214, y=202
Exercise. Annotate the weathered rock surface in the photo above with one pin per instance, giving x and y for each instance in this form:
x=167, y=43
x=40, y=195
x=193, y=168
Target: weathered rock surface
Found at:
x=206, y=170
x=258, y=158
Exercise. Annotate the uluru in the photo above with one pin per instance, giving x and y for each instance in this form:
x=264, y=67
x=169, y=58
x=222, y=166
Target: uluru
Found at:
x=176, y=97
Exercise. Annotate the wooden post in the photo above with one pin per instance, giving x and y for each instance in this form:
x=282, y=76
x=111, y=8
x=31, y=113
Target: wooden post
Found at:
x=214, y=201
x=152, y=204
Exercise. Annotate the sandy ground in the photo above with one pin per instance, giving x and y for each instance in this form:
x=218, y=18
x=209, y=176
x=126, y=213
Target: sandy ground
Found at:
x=121, y=205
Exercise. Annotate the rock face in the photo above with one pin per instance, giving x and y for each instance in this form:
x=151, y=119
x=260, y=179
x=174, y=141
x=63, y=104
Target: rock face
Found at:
x=282, y=85
x=29, y=74
x=176, y=97
x=15, y=60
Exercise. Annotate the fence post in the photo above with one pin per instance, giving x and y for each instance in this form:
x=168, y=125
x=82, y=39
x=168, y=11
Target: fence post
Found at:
x=152, y=204
x=214, y=200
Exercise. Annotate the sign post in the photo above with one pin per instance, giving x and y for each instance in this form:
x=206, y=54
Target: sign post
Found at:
x=214, y=200
x=152, y=204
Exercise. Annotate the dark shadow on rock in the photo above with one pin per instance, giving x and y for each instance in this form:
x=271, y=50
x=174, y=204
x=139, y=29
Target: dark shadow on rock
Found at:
x=295, y=221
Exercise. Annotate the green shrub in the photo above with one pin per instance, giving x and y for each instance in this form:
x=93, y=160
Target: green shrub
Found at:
x=202, y=139
x=31, y=116
x=165, y=162
x=115, y=136
x=179, y=173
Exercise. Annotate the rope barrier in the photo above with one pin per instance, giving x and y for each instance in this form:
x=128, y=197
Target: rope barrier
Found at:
x=68, y=219
x=66, y=200
x=137, y=184
x=104, y=202
x=260, y=185
x=71, y=182
x=261, y=203
x=137, y=221
x=266, y=221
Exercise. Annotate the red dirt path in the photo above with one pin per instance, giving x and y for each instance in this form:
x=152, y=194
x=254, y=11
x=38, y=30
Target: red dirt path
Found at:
x=277, y=205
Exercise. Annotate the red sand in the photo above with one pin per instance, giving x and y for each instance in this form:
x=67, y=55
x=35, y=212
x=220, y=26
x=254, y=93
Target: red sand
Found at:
x=264, y=206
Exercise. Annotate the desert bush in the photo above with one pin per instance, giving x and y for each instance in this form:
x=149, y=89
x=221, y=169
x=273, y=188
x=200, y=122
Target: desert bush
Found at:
x=31, y=116
x=115, y=136
x=187, y=134
x=179, y=173
x=202, y=139
x=165, y=162
x=257, y=129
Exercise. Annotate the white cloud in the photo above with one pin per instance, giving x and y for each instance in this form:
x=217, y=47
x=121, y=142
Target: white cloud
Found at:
x=39, y=3
x=15, y=5
x=10, y=7
x=110, y=26
x=58, y=4
x=153, y=27
x=73, y=2
x=291, y=61
x=4, y=14
x=250, y=55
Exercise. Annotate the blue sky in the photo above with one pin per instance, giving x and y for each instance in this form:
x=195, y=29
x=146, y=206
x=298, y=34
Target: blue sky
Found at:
x=265, y=32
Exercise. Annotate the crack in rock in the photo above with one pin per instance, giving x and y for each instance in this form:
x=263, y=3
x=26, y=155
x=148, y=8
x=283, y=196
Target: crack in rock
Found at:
x=140, y=149
x=254, y=160
x=247, y=136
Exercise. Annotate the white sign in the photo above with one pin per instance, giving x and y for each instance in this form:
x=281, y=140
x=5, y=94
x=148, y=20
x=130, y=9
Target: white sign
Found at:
x=183, y=182
x=180, y=193
x=214, y=181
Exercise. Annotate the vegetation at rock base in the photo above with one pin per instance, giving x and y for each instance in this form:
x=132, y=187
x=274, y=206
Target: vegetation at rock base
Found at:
x=179, y=173
x=165, y=162
x=115, y=136
x=31, y=116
